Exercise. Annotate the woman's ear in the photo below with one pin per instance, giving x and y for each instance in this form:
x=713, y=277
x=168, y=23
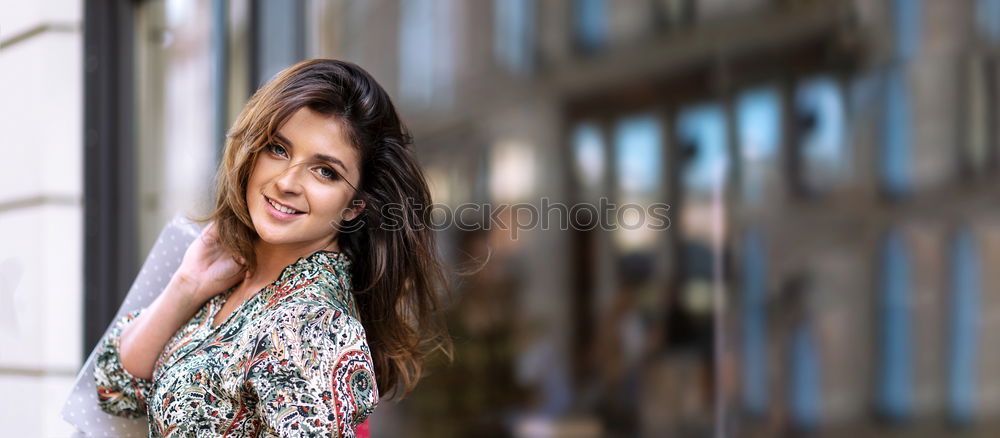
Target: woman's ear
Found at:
x=354, y=210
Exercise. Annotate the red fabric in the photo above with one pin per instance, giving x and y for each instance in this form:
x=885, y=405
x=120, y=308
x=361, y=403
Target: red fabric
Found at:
x=362, y=430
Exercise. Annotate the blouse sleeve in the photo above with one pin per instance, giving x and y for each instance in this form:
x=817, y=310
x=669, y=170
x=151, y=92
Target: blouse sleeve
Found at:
x=118, y=392
x=312, y=373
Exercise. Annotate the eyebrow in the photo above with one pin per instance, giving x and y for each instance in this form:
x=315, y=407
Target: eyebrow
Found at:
x=324, y=157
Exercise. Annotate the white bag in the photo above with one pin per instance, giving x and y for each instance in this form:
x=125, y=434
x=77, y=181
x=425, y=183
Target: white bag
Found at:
x=81, y=408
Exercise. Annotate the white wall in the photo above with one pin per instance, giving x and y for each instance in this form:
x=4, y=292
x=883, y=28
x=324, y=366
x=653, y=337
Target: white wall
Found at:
x=41, y=212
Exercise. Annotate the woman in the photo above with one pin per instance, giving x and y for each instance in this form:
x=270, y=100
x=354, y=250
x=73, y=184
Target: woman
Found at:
x=312, y=290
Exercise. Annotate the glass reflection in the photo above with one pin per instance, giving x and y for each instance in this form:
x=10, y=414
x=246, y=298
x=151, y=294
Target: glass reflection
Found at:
x=895, y=365
x=819, y=106
x=638, y=163
x=897, y=132
x=588, y=151
x=758, y=115
x=963, y=340
x=702, y=134
x=755, y=394
x=637, y=156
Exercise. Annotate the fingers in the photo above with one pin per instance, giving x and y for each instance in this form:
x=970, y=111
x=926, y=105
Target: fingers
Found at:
x=239, y=273
x=209, y=235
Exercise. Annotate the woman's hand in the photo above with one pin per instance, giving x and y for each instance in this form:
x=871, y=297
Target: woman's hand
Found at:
x=208, y=268
x=206, y=271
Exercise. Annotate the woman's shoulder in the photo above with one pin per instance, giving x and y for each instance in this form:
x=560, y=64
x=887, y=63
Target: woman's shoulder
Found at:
x=320, y=295
x=304, y=312
x=314, y=324
x=321, y=280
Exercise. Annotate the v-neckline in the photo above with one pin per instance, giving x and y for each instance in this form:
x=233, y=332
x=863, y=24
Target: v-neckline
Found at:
x=276, y=281
x=222, y=303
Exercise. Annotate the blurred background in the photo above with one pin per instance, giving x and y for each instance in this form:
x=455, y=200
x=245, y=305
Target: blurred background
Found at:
x=831, y=168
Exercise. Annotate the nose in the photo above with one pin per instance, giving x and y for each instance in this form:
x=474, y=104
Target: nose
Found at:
x=288, y=180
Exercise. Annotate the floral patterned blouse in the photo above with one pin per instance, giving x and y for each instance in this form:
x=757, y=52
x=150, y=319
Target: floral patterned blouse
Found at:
x=291, y=360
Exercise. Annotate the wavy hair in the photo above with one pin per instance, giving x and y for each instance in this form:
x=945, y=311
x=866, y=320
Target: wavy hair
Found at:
x=396, y=271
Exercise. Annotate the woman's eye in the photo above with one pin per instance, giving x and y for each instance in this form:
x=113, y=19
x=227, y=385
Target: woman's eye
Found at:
x=277, y=150
x=328, y=173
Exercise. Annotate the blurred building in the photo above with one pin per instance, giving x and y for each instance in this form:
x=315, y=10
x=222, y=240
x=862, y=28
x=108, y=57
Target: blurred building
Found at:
x=829, y=168
x=828, y=165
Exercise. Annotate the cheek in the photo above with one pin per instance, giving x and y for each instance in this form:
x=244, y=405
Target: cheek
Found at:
x=252, y=192
x=255, y=175
x=263, y=172
x=332, y=204
x=259, y=176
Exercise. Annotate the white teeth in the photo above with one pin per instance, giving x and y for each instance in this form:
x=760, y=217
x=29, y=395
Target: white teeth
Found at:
x=281, y=208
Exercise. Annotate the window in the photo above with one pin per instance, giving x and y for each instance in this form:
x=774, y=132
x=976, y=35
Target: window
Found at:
x=758, y=115
x=821, y=145
x=806, y=386
x=514, y=34
x=754, y=323
x=588, y=152
x=963, y=333
x=426, y=62
x=177, y=107
x=590, y=24
x=280, y=37
x=897, y=131
x=638, y=164
x=897, y=125
x=988, y=19
x=907, y=17
x=637, y=156
x=701, y=138
x=978, y=153
x=701, y=132
x=894, y=390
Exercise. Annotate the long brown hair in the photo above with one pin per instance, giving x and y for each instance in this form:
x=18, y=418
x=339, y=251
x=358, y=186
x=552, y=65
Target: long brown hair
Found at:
x=395, y=271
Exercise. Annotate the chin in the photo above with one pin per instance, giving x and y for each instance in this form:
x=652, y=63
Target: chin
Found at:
x=268, y=234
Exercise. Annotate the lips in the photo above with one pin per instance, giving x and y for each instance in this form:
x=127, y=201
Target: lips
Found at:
x=282, y=207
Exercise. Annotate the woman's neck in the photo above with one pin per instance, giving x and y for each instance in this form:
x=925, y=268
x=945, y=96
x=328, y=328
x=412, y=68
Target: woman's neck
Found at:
x=272, y=259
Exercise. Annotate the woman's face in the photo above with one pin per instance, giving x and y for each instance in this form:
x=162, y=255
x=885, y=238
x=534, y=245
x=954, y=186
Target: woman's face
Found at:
x=300, y=188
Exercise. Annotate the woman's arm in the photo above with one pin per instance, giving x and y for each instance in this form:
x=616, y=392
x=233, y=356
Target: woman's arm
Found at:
x=143, y=339
x=206, y=271
x=118, y=392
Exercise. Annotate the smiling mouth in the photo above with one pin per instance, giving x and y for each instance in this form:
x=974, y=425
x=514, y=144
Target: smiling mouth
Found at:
x=282, y=208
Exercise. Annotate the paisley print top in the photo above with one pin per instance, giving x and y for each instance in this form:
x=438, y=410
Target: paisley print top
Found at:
x=291, y=360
